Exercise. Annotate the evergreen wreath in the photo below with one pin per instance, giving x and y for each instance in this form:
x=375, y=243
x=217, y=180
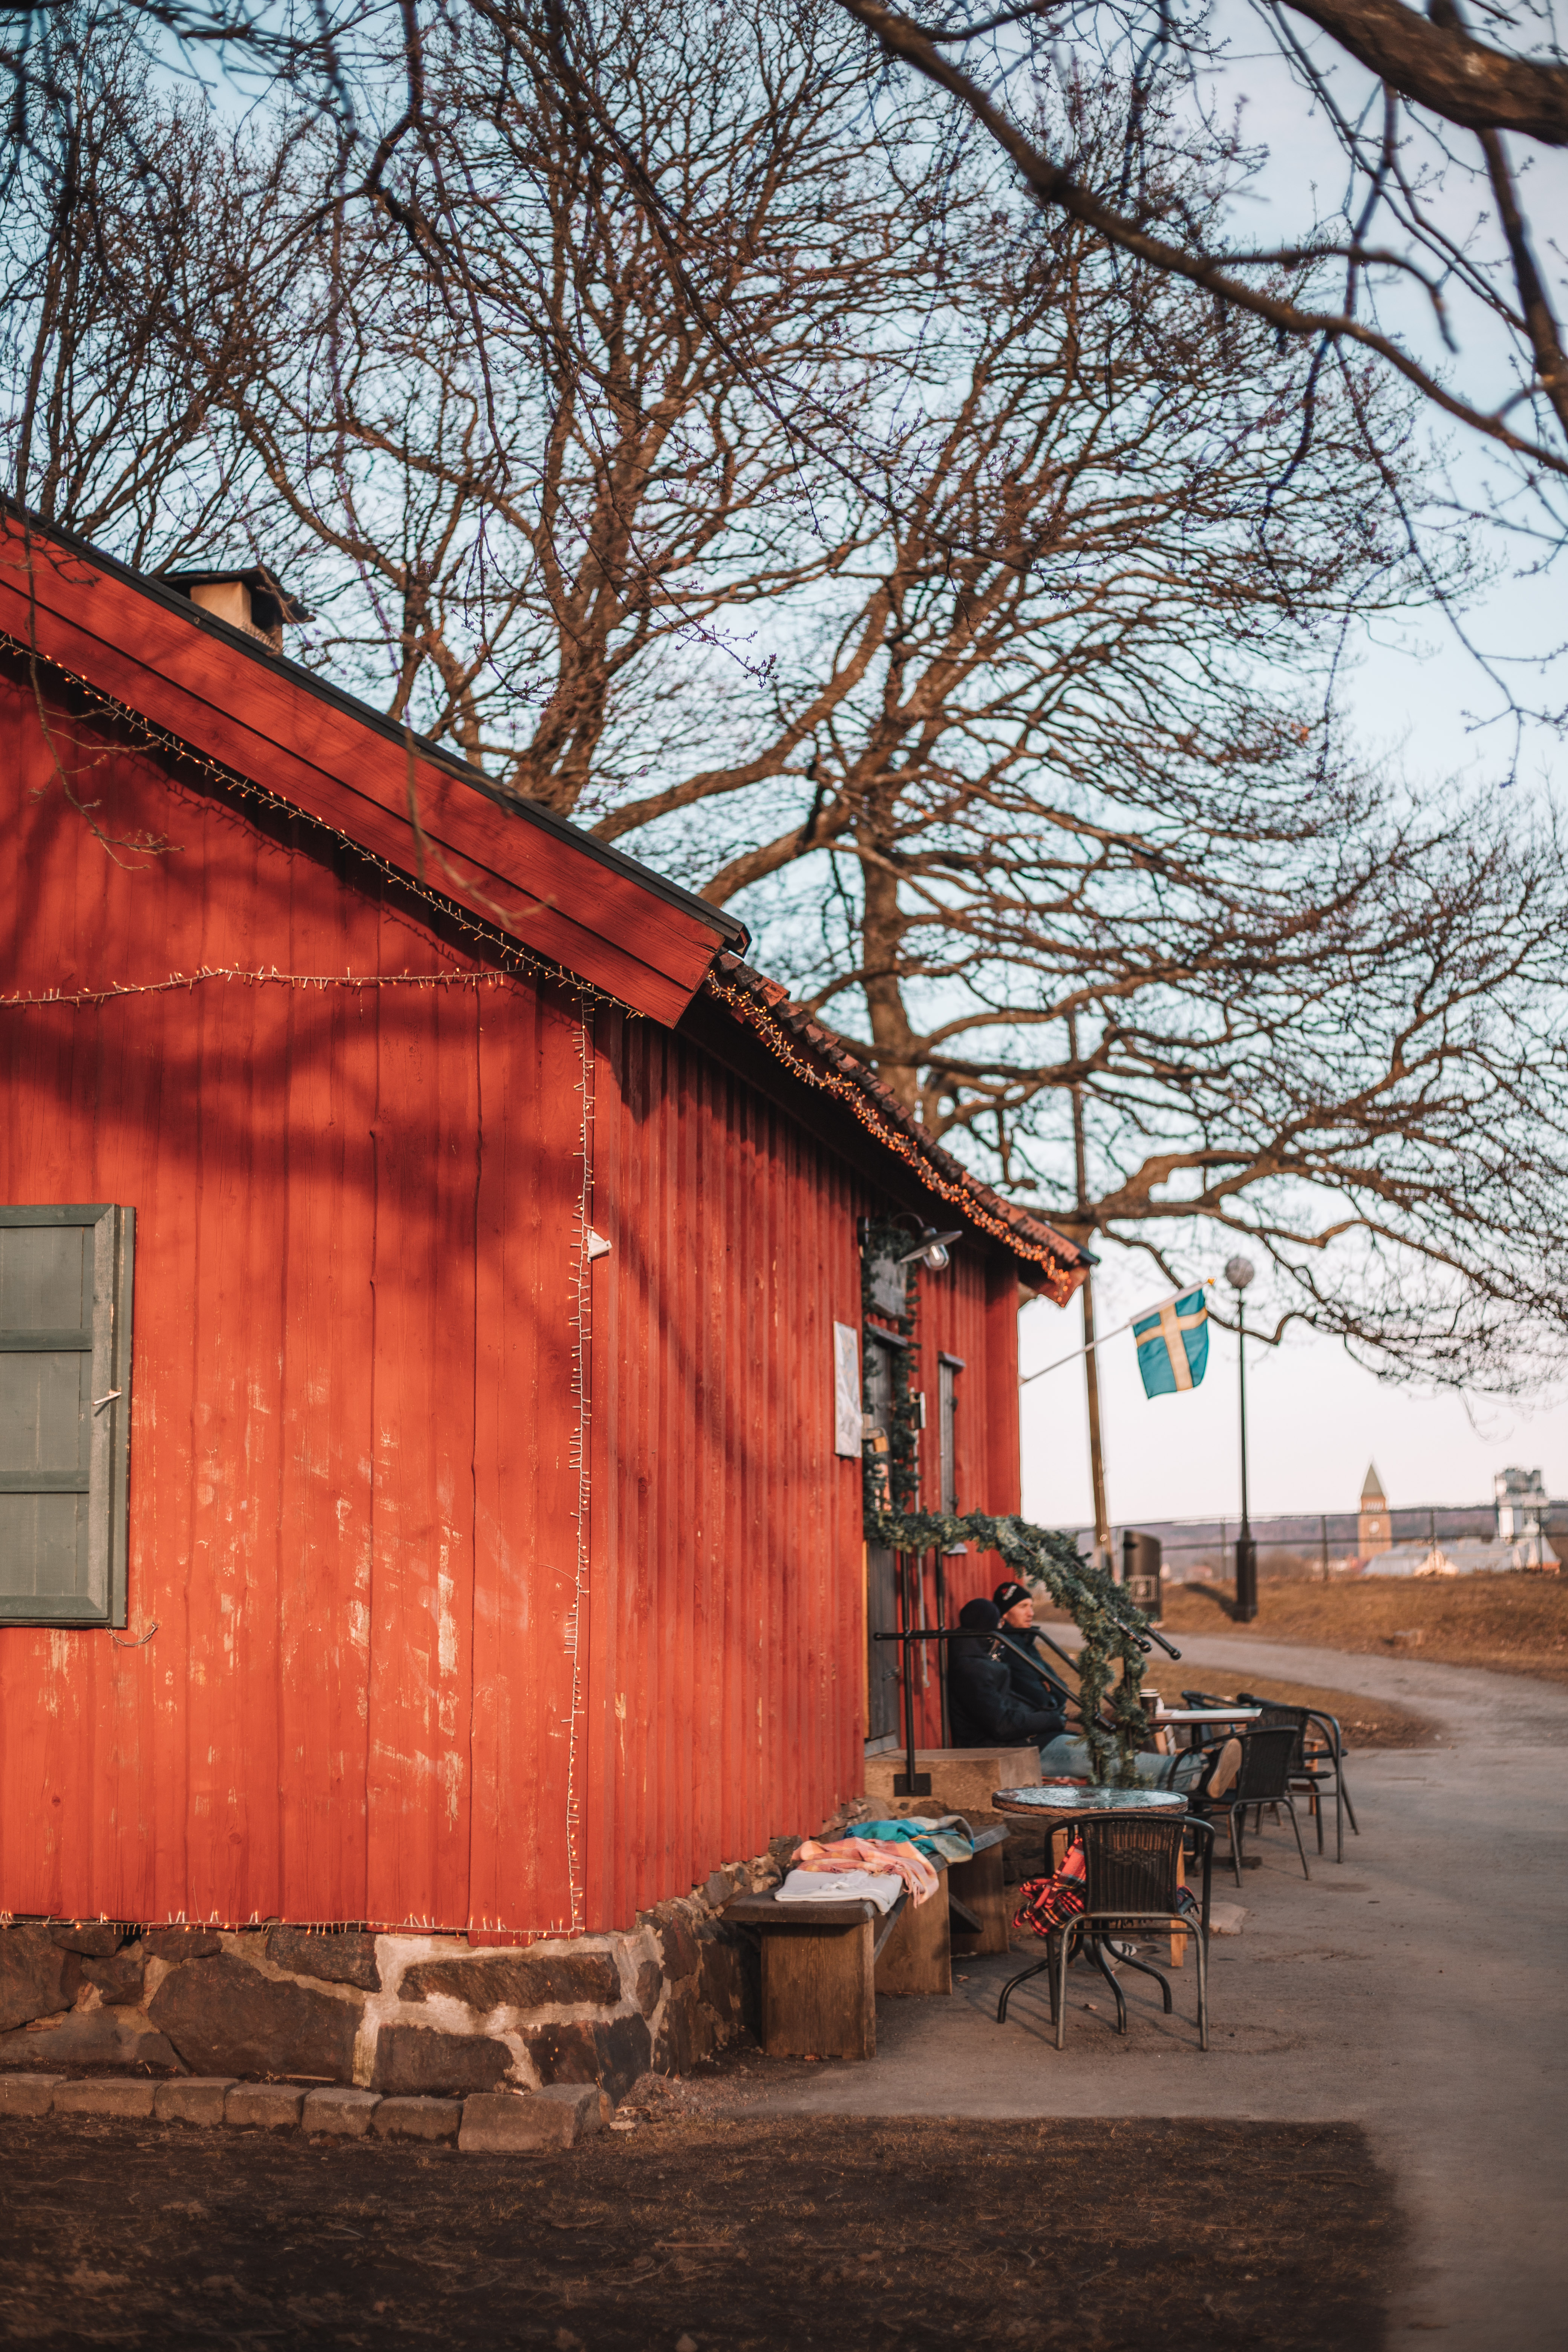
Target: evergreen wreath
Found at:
x=1111, y=1627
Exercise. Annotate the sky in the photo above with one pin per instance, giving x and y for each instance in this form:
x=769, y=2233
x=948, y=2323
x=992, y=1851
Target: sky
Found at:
x=1315, y=1419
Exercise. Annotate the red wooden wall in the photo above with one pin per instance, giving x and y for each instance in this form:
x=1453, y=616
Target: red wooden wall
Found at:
x=352, y=1497
x=727, y=1677
x=493, y=1590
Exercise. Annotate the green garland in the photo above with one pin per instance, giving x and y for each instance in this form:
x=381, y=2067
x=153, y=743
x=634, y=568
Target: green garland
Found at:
x=1100, y=1610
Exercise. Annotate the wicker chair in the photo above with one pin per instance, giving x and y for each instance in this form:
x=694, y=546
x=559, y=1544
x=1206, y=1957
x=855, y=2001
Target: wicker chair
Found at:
x=1264, y=1779
x=1316, y=1770
x=1132, y=1884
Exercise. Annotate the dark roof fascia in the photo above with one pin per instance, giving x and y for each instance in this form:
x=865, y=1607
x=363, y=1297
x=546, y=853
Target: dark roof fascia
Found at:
x=712, y=1027
x=711, y=1023
x=732, y=932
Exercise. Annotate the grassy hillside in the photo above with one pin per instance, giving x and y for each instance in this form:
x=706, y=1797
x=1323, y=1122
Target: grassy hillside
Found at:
x=1514, y=1624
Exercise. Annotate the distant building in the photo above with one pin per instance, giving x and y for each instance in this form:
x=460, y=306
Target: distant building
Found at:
x=1423, y=1560
x=1374, y=1531
x=1521, y=1503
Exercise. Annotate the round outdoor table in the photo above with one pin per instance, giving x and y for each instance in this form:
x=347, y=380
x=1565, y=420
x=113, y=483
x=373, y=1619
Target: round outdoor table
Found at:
x=1058, y=1805
x=1062, y=1801
x=1195, y=1717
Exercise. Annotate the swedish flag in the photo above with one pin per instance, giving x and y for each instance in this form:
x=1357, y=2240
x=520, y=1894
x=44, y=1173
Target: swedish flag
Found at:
x=1174, y=1344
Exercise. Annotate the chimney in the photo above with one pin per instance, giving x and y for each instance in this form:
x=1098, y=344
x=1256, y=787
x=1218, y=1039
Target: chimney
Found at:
x=249, y=600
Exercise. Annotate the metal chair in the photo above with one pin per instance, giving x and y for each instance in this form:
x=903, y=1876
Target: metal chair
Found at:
x=1132, y=1884
x=1313, y=1770
x=1264, y=1779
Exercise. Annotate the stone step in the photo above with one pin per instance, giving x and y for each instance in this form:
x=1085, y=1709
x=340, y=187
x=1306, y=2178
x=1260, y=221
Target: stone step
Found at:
x=491, y=2121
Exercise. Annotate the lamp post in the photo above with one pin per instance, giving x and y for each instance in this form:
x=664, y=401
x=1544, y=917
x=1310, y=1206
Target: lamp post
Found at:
x=1238, y=1274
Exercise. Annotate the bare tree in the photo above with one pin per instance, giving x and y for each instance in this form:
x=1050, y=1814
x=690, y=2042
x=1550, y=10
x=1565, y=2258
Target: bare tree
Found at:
x=109, y=427
x=951, y=591
x=1425, y=210
x=1403, y=95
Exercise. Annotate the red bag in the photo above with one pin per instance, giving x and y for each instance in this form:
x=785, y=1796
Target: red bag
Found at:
x=1046, y=1904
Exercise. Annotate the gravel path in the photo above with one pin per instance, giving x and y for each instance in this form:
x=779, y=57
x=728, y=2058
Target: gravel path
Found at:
x=1416, y=1991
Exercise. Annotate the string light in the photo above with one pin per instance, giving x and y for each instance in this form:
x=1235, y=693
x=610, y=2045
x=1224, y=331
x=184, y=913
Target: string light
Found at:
x=578, y=1457
x=488, y=937
x=268, y=975
x=880, y=1118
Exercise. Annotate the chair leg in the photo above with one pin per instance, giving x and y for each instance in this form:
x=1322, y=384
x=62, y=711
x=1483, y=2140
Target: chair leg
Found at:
x=1291, y=1809
x=1145, y=1970
x=1011, y=1987
x=1103, y=1965
x=1061, y=1988
x=1234, y=1842
x=1202, y=1941
x=1350, y=1808
x=1317, y=1817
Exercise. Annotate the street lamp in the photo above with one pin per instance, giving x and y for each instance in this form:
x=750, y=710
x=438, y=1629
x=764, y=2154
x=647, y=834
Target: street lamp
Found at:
x=1238, y=1274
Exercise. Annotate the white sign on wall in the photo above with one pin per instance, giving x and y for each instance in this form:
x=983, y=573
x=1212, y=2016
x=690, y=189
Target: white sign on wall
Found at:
x=847, y=1409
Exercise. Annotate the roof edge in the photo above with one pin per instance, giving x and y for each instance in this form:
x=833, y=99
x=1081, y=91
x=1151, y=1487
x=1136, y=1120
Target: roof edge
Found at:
x=806, y=1050
x=728, y=927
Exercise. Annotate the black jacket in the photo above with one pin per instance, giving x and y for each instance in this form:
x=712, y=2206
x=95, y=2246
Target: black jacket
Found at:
x=1025, y=1683
x=982, y=1709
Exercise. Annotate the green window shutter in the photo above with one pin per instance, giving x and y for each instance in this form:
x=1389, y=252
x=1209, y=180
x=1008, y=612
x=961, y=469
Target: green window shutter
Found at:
x=65, y=1412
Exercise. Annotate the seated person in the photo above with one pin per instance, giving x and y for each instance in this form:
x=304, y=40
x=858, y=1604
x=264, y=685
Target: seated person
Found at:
x=1035, y=1684
x=1202, y=1771
x=984, y=1711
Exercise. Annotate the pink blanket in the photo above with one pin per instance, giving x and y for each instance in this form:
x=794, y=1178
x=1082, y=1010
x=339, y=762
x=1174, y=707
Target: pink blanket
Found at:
x=865, y=1853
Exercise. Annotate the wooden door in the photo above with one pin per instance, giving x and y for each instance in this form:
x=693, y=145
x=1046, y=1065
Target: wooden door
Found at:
x=882, y=1664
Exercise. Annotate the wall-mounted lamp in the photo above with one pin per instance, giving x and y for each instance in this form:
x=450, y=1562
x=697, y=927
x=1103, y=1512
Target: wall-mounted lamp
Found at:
x=931, y=1248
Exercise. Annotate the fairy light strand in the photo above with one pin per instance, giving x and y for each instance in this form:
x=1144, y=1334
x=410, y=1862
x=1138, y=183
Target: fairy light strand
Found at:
x=264, y=976
x=962, y=1191
x=581, y=1359
x=488, y=937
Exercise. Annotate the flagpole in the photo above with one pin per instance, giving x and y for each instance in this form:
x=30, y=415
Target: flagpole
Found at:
x=1090, y=1370
x=1153, y=1309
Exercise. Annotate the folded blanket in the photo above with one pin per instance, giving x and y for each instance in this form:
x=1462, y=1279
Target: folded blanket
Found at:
x=861, y=1853
x=947, y=1837
x=878, y=1886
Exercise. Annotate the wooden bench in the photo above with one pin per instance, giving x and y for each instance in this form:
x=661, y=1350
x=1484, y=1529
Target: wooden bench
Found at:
x=823, y=1964
x=977, y=1896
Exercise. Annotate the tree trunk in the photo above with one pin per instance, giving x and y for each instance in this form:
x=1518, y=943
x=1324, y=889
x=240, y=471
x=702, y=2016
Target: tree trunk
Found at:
x=882, y=931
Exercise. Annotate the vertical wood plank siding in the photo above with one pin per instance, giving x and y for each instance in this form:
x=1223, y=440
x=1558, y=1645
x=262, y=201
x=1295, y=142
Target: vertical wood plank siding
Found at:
x=399, y=1675
x=352, y=1516
x=726, y=1677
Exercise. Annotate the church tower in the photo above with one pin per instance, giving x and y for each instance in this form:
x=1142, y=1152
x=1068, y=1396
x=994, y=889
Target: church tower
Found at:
x=1371, y=1527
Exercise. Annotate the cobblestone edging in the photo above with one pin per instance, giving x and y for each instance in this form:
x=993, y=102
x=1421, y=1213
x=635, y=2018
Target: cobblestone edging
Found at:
x=527, y=2121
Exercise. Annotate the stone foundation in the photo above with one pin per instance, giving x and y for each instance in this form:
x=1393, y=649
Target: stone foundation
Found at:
x=402, y=2015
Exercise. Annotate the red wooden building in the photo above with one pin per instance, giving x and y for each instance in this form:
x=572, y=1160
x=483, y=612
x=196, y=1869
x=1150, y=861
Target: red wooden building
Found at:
x=418, y=1495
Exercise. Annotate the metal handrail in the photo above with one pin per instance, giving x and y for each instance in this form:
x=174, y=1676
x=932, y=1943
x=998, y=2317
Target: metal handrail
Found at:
x=918, y=1784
